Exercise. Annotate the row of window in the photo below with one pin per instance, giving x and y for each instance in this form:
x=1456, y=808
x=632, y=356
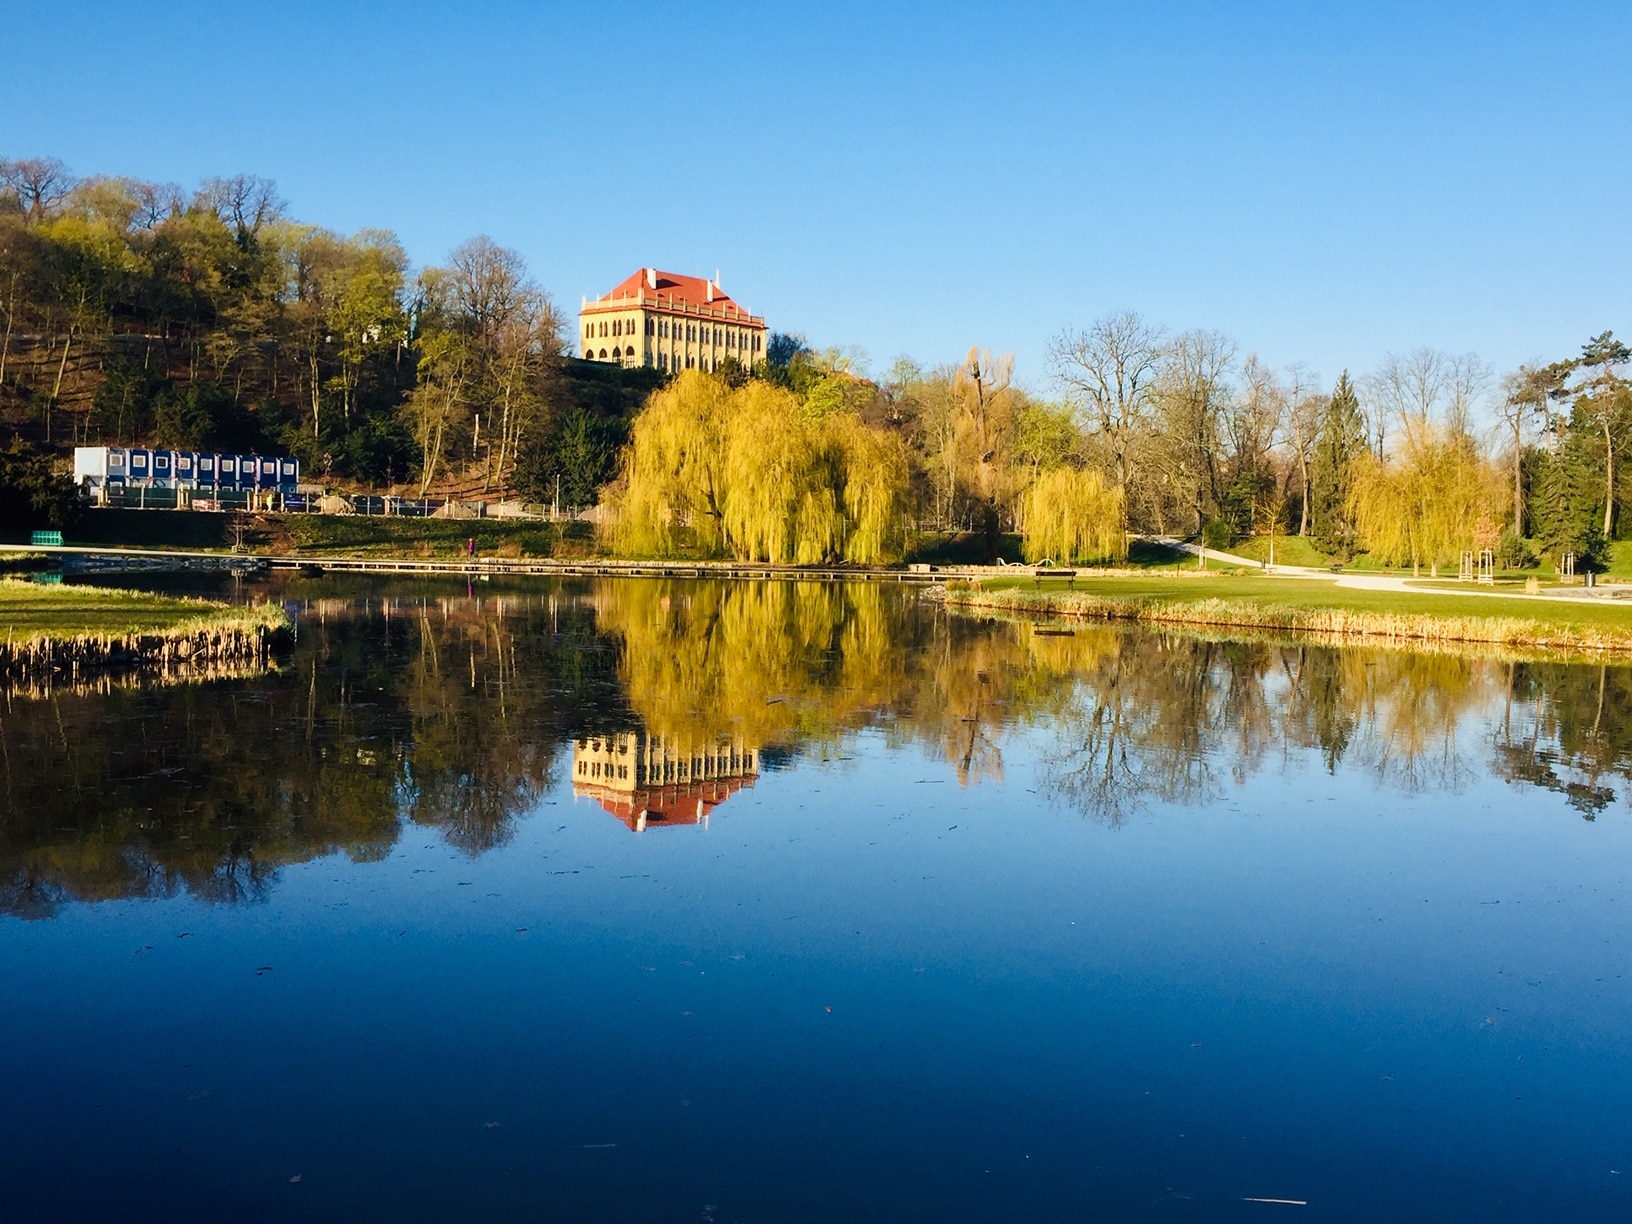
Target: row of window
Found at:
x=670, y=771
x=665, y=329
x=662, y=361
x=186, y=462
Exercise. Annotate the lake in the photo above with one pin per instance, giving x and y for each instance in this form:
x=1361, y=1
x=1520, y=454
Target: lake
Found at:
x=694, y=901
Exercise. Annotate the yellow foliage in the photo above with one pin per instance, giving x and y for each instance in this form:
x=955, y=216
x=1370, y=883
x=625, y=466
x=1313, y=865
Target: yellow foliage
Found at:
x=672, y=468
x=1074, y=515
x=754, y=476
x=1424, y=504
x=873, y=465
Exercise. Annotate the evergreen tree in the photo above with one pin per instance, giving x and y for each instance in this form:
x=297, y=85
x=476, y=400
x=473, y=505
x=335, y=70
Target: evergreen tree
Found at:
x=1569, y=496
x=1342, y=440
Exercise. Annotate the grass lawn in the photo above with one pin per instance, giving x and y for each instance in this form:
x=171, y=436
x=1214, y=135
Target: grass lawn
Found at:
x=1289, y=550
x=30, y=608
x=1256, y=591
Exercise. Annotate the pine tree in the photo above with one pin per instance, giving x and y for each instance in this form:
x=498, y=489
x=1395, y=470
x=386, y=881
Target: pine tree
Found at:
x=1342, y=440
x=1569, y=496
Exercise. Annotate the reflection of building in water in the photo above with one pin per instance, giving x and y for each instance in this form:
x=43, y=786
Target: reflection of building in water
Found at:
x=647, y=780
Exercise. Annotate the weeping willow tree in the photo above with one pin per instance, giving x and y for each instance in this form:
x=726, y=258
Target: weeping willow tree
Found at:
x=752, y=475
x=1426, y=502
x=673, y=469
x=1073, y=515
x=778, y=501
x=869, y=468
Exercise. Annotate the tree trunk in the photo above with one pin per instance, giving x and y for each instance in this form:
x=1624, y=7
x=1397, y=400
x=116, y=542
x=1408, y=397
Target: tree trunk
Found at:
x=1609, y=478
x=11, y=313
x=316, y=395
x=1518, y=477
x=1303, y=468
x=63, y=364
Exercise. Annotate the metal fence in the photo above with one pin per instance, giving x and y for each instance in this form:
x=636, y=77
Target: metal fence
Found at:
x=138, y=497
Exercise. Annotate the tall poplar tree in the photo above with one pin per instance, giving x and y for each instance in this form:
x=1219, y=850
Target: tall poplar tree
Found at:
x=1342, y=440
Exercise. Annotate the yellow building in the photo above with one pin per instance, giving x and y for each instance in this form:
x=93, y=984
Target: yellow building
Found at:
x=669, y=322
x=648, y=780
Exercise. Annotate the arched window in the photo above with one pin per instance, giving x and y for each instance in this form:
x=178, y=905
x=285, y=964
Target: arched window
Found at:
x=617, y=354
x=603, y=354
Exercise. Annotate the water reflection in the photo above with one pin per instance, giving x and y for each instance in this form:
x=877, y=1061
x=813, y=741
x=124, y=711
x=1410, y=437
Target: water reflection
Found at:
x=662, y=699
x=649, y=781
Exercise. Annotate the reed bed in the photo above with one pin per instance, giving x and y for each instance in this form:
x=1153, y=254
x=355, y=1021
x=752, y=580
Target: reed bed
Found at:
x=69, y=633
x=1524, y=634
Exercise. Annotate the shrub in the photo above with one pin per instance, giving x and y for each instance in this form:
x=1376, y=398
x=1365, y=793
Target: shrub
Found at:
x=1217, y=533
x=1512, y=552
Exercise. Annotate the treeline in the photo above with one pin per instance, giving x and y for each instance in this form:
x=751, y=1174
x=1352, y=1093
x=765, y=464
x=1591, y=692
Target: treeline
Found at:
x=135, y=312
x=1416, y=462
x=138, y=312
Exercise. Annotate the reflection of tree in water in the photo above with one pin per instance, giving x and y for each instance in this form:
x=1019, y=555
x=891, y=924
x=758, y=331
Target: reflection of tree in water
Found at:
x=1566, y=729
x=447, y=712
x=1156, y=717
x=1145, y=718
x=450, y=713
x=776, y=664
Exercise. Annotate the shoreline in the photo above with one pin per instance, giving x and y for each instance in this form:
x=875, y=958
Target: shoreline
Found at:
x=1335, y=624
x=150, y=634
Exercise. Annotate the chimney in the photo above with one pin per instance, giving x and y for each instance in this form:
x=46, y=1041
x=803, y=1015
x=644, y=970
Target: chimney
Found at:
x=710, y=285
x=651, y=278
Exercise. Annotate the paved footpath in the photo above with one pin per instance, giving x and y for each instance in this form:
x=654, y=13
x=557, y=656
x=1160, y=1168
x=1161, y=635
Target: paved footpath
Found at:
x=1394, y=582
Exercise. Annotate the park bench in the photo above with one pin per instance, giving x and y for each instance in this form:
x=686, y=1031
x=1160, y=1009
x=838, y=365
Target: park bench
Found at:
x=1070, y=576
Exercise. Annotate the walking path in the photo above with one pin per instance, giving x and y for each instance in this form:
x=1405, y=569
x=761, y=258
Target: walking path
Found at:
x=1392, y=582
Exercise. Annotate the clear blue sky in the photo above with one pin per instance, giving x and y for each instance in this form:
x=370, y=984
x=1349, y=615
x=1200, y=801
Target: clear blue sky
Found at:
x=1324, y=182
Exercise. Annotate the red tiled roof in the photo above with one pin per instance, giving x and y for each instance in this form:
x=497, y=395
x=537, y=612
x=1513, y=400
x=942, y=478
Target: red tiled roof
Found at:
x=690, y=293
x=665, y=805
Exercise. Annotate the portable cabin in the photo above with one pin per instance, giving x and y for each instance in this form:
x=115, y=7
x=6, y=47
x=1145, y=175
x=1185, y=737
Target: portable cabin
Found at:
x=101, y=469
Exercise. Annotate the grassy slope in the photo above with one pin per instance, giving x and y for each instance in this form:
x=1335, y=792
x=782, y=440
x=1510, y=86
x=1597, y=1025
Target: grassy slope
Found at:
x=28, y=609
x=1289, y=550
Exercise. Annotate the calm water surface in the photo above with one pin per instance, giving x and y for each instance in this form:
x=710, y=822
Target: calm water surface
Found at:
x=693, y=902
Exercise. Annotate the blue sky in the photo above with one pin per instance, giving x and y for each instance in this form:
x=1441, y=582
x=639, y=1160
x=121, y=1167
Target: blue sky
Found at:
x=1325, y=183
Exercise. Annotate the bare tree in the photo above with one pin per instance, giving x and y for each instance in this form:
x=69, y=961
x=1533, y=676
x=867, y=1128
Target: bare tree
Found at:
x=40, y=183
x=1304, y=404
x=155, y=202
x=1253, y=418
x=488, y=286
x=984, y=429
x=1421, y=387
x=244, y=201
x=1191, y=396
x=1108, y=373
x=1524, y=393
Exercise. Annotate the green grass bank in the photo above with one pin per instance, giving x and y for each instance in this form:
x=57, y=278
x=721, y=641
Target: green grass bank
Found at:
x=52, y=632
x=1314, y=606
